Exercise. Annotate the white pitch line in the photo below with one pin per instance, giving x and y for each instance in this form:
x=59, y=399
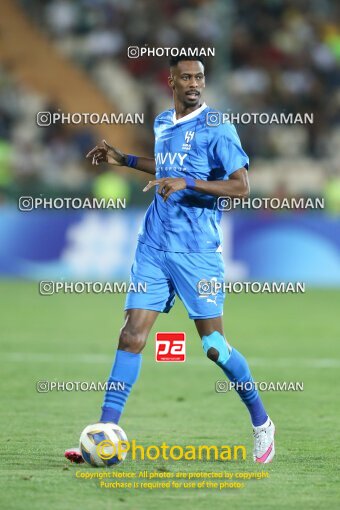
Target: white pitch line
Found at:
x=41, y=357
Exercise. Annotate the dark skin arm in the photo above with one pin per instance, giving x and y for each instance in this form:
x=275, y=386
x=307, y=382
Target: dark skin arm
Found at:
x=105, y=153
x=237, y=186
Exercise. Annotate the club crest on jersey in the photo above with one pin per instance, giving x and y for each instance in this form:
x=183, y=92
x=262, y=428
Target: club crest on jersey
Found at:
x=189, y=135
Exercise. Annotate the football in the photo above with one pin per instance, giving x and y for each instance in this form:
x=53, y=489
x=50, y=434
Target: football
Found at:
x=101, y=444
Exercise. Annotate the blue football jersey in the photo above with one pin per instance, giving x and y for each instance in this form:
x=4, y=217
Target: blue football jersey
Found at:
x=189, y=221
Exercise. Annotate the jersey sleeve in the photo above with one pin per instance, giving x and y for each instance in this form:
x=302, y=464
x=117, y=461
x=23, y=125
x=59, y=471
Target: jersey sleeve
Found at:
x=226, y=150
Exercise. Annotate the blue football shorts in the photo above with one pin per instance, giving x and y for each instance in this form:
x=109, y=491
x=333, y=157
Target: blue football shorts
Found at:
x=197, y=279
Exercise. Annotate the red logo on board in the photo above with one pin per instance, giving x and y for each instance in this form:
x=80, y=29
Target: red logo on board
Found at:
x=170, y=346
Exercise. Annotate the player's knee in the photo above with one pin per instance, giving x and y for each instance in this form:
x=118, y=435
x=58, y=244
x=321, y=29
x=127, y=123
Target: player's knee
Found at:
x=216, y=347
x=213, y=354
x=131, y=339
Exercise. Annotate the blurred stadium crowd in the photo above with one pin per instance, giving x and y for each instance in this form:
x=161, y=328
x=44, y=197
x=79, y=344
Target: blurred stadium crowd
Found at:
x=271, y=56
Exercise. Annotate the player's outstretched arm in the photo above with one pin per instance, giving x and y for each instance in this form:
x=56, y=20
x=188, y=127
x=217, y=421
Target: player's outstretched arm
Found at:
x=237, y=186
x=105, y=153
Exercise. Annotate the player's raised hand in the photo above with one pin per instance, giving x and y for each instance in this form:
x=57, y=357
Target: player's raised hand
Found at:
x=167, y=186
x=105, y=153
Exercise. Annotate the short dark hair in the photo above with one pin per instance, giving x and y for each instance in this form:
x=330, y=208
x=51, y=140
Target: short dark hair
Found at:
x=173, y=61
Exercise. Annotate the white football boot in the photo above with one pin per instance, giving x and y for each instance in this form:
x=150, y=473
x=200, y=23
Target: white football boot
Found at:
x=264, y=447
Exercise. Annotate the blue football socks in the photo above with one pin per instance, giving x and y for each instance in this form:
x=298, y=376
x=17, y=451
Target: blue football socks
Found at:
x=124, y=374
x=236, y=368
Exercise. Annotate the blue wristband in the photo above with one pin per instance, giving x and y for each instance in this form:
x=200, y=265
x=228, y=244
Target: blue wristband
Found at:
x=131, y=161
x=190, y=182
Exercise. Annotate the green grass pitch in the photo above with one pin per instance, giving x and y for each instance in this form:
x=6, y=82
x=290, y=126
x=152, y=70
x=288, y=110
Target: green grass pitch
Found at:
x=73, y=337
